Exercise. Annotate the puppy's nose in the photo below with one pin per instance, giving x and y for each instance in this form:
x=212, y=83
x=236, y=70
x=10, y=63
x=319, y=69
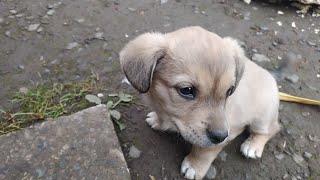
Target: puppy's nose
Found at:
x=217, y=137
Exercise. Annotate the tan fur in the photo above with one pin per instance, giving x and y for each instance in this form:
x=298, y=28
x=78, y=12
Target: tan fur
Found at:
x=158, y=64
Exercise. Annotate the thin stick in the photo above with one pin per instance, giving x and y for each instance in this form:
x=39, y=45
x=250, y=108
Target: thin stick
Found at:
x=290, y=98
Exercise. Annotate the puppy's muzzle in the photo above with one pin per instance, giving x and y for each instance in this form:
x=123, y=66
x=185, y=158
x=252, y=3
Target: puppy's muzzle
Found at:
x=217, y=136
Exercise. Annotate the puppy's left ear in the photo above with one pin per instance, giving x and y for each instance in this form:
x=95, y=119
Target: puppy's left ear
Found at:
x=139, y=58
x=239, y=57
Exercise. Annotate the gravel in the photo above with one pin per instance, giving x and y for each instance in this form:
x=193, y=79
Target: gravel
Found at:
x=211, y=173
x=260, y=58
x=134, y=152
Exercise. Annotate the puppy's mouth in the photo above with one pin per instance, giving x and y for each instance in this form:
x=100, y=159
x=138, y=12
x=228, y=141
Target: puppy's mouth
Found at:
x=198, y=138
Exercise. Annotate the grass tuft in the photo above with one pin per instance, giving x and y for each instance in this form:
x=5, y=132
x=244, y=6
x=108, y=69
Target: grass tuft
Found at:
x=45, y=102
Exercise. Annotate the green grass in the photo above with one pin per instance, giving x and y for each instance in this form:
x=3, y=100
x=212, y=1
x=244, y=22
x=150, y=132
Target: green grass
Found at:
x=51, y=101
x=44, y=102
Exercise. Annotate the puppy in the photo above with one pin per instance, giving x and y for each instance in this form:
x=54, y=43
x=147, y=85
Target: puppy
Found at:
x=203, y=87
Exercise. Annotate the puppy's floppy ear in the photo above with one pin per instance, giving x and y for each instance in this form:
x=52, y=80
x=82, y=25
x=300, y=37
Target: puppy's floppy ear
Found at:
x=239, y=58
x=139, y=58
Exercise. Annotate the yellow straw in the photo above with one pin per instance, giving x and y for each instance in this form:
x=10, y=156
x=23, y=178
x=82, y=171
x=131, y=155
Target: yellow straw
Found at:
x=290, y=98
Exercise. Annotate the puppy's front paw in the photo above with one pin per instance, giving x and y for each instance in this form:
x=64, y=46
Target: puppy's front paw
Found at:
x=187, y=170
x=251, y=149
x=153, y=120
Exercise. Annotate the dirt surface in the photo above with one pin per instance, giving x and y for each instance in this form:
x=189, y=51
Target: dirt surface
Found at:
x=61, y=41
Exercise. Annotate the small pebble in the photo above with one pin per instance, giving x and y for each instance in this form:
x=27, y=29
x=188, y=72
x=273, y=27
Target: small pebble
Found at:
x=81, y=20
x=293, y=24
x=279, y=23
x=13, y=11
x=1, y=20
x=280, y=12
x=51, y=12
x=293, y=78
x=100, y=95
x=305, y=114
x=23, y=90
x=163, y=1
x=223, y=156
x=8, y=33
x=134, y=152
x=211, y=173
x=279, y=156
x=132, y=9
x=260, y=58
x=21, y=67
x=297, y=158
x=99, y=35
x=72, y=45
x=33, y=27
x=307, y=155
x=40, y=29
x=19, y=15
x=311, y=43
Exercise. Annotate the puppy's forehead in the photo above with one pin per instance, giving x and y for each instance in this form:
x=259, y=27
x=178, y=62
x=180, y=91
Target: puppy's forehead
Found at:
x=195, y=44
x=202, y=57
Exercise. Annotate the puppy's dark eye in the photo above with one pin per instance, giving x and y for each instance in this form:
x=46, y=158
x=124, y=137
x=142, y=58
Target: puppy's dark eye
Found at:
x=230, y=91
x=187, y=92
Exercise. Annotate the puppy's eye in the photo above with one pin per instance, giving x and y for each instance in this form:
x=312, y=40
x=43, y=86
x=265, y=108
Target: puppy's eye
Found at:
x=230, y=91
x=187, y=92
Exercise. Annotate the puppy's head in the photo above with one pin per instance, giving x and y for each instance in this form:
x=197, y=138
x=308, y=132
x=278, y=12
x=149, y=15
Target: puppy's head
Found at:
x=189, y=75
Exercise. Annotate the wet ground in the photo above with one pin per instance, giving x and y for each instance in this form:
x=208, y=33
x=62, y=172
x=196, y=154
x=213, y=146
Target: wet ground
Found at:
x=62, y=41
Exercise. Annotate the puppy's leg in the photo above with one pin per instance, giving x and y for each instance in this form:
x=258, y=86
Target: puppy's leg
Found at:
x=197, y=163
x=155, y=123
x=254, y=145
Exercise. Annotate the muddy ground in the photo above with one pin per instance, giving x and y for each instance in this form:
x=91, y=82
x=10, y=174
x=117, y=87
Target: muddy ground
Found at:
x=47, y=41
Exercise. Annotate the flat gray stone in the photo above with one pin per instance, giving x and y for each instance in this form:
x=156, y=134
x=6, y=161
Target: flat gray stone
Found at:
x=80, y=146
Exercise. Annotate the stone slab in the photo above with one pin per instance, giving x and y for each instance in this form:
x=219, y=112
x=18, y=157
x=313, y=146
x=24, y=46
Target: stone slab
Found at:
x=80, y=146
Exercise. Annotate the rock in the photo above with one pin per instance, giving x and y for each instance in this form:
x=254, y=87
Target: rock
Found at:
x=260, y=58
x=82, y=146
x=12, y=11
x=307, y=155
x=8, y=33
x=40, y=29
x=1, y=20
x=163, y=1
x=223, y=156
x=293, y=78
x=20, y=66
x=311, y=43
x=305, y=114
x=72, y=45
x=279, y=156
x=304, y=2
x=23, y=90
x=100, y=95
x=99, y=35
x=132, y=9
x=33, y=27
x=285, y=176
x=134, y=152
x=298, y=159
x=81, y=20
x=20, y=15
x=254, y=50
x=51, y=12
x=211, y=173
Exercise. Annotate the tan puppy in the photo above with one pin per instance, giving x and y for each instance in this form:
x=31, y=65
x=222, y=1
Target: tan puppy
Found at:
x=202, y=86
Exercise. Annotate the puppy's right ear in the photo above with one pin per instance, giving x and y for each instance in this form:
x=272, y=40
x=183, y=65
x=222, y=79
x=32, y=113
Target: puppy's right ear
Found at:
x=139, y=58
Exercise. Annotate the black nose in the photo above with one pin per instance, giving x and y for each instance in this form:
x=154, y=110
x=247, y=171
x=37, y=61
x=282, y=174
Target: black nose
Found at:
x=217, y=137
